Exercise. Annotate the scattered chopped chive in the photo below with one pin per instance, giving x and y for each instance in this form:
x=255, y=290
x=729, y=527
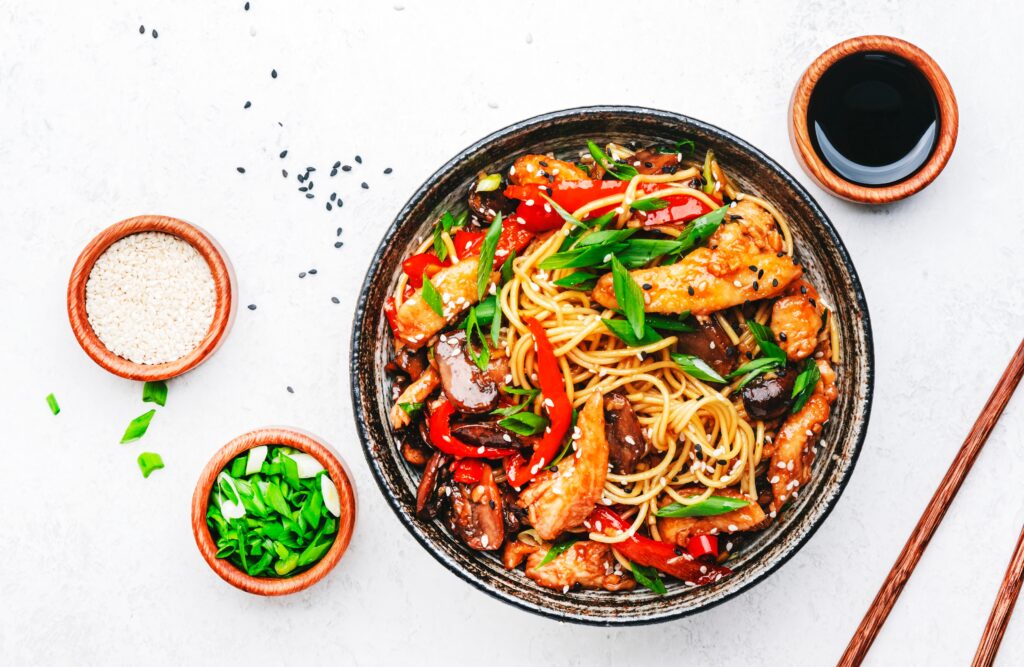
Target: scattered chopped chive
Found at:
x=629, y=295
x=648, y=576
x=652, y=204
x=155, y=392
x=804, y=385
x=487, y=250
x=557, y=550
x=137, y=428
x=623, y=172
x=488, y=183
x=150, y=461
x=696, y=367
x=432, y=297
x=51, y=400
x=525, y=423
x=411, y=408
x=710, y=506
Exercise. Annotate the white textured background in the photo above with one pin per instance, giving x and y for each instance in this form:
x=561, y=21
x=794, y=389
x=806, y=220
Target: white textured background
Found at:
x=98, y=123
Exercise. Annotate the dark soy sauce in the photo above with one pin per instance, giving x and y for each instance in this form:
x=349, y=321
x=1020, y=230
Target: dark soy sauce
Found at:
x=873, y=118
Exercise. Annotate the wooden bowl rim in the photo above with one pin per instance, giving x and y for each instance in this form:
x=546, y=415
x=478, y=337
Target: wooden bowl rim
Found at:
x=289, y=437
x=223, y=281
x=799, y=133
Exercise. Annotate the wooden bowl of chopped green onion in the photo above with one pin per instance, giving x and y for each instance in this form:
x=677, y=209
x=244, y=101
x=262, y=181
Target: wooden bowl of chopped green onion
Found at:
x=273, y=511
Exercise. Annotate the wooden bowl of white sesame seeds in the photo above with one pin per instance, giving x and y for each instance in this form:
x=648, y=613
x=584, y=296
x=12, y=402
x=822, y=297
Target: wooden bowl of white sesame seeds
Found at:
x=151, y=297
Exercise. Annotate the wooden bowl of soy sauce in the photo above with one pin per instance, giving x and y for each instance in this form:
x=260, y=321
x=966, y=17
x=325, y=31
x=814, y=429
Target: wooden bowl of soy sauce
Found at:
x=873, y=119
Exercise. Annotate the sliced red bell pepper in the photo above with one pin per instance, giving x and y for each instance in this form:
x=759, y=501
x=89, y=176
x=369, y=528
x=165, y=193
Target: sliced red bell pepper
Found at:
x=681, y=208
x=442, y=438
x=391, y=312
x=653, y=553
x=425, y=263
x=468, y=471
x=559, y=409
x=700, y=546
x=467, y=243
x=513, y=237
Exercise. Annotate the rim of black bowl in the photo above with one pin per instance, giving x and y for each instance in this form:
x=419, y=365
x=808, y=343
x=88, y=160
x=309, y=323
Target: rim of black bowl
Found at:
x=623, y=112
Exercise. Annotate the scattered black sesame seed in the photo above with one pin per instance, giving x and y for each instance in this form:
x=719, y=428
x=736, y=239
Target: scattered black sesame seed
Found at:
x=755, y=286
x=337, y=164
x=309, y=195
x=359, y=159
x=334, y=172
x=142, y=30
x=775, y=282
x=334, y=195
x=312, y=272
x=748, y=355
x=364, y=186
x=311, y=185
x=283, y=154
x=303, y=189
x=648, y=286
x=782, y=336
x=339, y=232
x=340, y=203
x=347, y=167
x=329, y=207
x=302, y=274
x=246, y=7
x=155, y=34
x=338, y=244
x=760, y=274
x=388, y=170
x=241, y=170
x=780, y=254
x=803, y=289
x=648, y=165
x=247, y=104
x=273, y=74
x=335, y=299
x=252, y=306
x=753, y=269
x=290, y=390
x=284, y=172
x=689, y=290
x=813, y=302
x=309, y=169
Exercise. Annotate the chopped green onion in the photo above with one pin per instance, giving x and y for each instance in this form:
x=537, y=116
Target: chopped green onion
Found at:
x=665, y=323
x=752, y=369
x=148, y=462
x=51, y=400
x=696, y=367
x=489, y=183
x=648, y=576
x=766, y=341
x=578, y=280
x=155, y=392
x=651, y=204
x=412, y=407
x=507, y=268
x=496, y=325
x=557, y=550
x=525, y=423
x=630, y=297
x=137, y=428
x=565, y=215
x=710, y=506
x=804, y=385
x=624, y=331
x=473, y=328
x=623, y=172
x=486, y=265
x=432, y=297
x=709, y=178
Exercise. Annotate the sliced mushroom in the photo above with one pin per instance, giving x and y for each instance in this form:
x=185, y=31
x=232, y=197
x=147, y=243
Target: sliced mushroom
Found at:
x=710, y=343
x=471, y=390
x=475, y=513
x=769, y=396
x=484, y=206
x=652, y=161
x=486, y=434
x=429, y=496
x=627, y=444
x=410, y=362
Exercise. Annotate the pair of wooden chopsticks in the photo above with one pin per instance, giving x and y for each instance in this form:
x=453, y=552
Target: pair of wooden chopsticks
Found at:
x=933, y=514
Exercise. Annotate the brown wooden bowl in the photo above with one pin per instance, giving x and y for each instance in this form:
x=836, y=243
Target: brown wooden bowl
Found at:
x=346, y=522
x=799, y=133
x=223, y=284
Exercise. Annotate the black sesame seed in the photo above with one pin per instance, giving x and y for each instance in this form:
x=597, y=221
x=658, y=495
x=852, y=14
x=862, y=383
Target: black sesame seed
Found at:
x=273, y=74
x=335, y=299
x=312, y=272
x=337, y=164
x=364, y=186
x=309, y=169
x=748, y=355
x=760, y=274
x=247, y=104
x=290, y=390
x=543, y=163
x=252, y=306
x=648, y=165
x=309, y=195
x=334, y=172
x=347, y=167
x=302, y=274
x=311, y=185
x=284, y=172
x=698, y=452
x=339, y=232
x=813, y=302
x=648, y=286
x=283, y=154
x=329, y=207
x=338, y=244
x=155, y=34
x=782, y=336
x=142, y=30
x=334, y=195
x=689, y=290
x=752, y=268
x=388, y=170
x=359, y=159
x=803, y=289
x=246, y=6
x=755, y=286
x=780, y=254
x=303, y=189
x=241, y=170
x=775, y=282
x=340, y=203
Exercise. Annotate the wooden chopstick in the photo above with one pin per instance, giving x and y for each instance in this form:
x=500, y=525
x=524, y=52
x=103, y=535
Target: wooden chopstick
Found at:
x=1001, y=610
x=933, y=514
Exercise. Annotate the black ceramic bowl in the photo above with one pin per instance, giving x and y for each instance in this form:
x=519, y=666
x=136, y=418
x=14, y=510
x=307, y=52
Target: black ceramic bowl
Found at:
x=818, y=247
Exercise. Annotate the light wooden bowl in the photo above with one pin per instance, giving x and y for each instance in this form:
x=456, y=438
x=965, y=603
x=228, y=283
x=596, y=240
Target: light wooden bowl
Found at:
x=223, y=283
x=799, y=133
x=346, y=522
